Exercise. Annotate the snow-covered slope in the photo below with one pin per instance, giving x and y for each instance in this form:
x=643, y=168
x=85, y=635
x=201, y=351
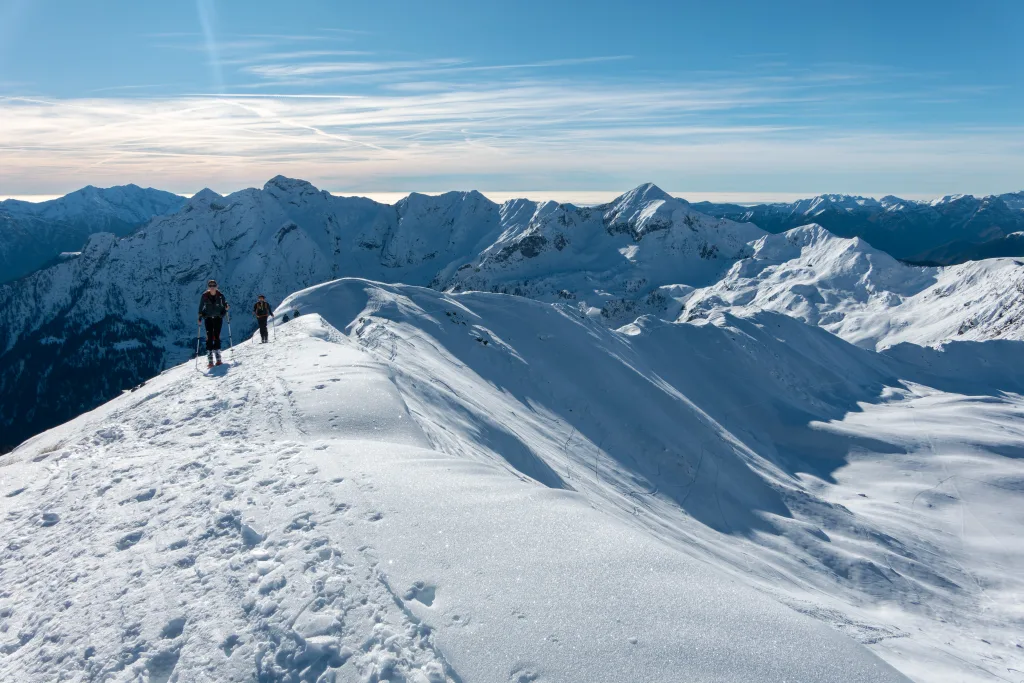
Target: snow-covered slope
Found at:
x=411, y=485
x=75, y=333
x=867, y=297
x=953, y=229
x=34, y=234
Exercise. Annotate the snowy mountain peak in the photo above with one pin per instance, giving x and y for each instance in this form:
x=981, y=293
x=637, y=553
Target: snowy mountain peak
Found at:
x=950, y=198
x=418, y=199
x=203, y=199
x=813, y=239
x=893, y=203
x=641, y=195
x=644, y=209
x=824, y=202
x=206, y=195
x=283, y=184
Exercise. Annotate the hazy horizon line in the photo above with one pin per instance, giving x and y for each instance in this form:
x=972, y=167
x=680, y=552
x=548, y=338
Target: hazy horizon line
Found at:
x=578, y=197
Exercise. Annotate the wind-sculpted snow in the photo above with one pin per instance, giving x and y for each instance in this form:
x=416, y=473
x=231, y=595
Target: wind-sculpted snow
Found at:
x=879, y=493
x=867, y=297
x=34, y=234
x=381, y=495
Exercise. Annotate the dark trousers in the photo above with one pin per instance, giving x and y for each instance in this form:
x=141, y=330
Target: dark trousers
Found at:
x=262, y=320
x=213, y=326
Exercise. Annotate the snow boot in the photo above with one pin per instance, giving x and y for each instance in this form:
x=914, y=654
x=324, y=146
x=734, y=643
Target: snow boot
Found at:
x=218, y=359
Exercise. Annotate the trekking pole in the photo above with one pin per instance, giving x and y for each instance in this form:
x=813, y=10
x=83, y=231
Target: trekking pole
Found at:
x=275, y=330
x=198, y=327
x=231, y=344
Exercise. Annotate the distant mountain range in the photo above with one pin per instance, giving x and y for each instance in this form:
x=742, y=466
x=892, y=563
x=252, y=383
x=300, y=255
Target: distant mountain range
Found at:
x=953, y=229
x=120, y=309
x=34, y=234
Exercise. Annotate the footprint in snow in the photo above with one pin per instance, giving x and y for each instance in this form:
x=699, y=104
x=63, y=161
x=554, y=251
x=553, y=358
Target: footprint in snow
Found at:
x=302, y=522
x=422, y=592
x=128, y=541
x=229, y=644
x=140, y=497
x=173, y=628
x=523, y=674
x=161, y=666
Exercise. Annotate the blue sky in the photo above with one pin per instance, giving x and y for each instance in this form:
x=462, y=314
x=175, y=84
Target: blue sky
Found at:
x=752, y=99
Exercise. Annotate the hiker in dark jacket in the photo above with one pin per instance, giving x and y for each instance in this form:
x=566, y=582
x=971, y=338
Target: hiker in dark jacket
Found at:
x=261, y=310
x=212, y=309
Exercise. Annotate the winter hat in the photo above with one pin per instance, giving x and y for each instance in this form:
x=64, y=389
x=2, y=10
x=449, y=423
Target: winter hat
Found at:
x=211, y=283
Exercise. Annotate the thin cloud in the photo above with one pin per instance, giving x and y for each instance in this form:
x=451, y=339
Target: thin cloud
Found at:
x=296, y=55
x=326, y=68
x=147, y=86
x=346, y=31
x=724, y=133
x=286, y=37
x=383, y=72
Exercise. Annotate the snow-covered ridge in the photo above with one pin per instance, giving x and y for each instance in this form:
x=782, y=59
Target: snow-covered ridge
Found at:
x=421, y=486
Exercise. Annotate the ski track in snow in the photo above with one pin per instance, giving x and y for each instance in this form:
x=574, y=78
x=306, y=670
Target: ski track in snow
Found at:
x=360, y=502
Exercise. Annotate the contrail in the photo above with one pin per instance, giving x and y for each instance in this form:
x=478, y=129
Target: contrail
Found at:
x=206, y=17
x=11, y=12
